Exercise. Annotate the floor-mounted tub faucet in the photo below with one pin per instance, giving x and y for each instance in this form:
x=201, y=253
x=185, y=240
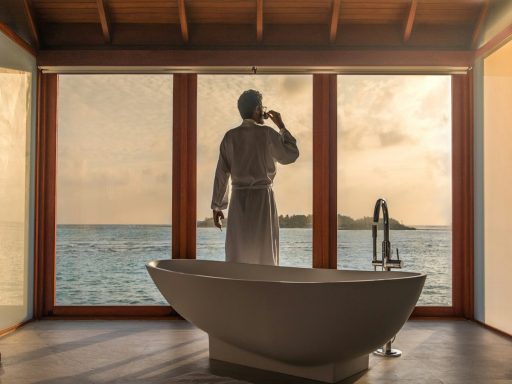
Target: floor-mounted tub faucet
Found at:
x=386, y=262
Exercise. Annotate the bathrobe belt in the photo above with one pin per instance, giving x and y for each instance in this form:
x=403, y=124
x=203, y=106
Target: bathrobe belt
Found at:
x=257, y=186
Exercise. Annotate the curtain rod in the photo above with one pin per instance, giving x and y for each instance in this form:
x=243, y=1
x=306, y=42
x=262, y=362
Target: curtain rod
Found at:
x=263, y=70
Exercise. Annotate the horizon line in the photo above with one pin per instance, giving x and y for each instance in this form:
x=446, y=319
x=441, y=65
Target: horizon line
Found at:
x=170, y=225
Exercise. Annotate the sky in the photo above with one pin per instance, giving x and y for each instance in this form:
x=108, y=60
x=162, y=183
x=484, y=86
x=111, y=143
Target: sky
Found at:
x=394, y=141
x=114, y=154
x=115, y=145
x=292, y=96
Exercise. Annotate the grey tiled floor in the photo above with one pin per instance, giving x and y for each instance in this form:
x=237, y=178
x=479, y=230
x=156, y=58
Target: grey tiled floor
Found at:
x=174, y=352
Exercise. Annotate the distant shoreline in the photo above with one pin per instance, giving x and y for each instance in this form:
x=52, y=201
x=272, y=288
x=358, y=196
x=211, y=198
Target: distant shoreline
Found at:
x=201, y=224
x=306, y=221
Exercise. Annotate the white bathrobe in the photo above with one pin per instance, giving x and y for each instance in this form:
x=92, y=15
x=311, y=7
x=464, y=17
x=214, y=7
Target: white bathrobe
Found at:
x=248, y=154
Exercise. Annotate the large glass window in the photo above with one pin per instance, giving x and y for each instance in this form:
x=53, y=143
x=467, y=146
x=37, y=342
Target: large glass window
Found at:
x=394, y=142
x=113, y=187
x=292, y=96
x=497, y=145
x=14, y=125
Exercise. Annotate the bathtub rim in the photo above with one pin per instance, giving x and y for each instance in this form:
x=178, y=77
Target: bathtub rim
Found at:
x=410, y=275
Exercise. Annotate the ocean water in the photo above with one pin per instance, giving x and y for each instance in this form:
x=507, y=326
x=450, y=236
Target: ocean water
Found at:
x=12, y=264
x=104, y=264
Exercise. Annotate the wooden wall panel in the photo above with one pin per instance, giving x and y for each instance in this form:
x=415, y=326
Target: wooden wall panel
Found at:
x=223, y=12
x=308, y=38
x=136, y=11
x=309, y=20
x=448, y=12
x=381, y=12
x=66, y=11
x=297, y=12
x=243, y=11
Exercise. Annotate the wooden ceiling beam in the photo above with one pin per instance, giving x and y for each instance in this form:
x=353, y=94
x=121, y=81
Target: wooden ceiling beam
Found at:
x=335, y=16
x=409, y=22
x=105, y=22
x=29, y=12
x=248, y=58
x=479, y=24
x=183, y=20
x=259, y=20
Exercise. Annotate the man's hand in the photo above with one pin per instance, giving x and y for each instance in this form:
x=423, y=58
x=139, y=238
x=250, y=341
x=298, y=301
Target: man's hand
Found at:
x=217, y=215
x=276, y=118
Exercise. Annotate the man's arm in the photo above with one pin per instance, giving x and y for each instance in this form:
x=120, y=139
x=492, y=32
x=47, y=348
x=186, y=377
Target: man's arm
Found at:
x=220, y=185
x=283, y=145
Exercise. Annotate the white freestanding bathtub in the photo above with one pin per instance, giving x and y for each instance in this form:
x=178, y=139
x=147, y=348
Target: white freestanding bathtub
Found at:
x=315, y=323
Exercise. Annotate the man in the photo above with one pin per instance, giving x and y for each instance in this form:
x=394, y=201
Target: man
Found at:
x=248, y=154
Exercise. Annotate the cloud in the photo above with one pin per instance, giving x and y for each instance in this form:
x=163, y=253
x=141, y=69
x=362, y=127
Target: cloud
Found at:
x=217, y=113
x=395, y=142
x=115, y=144
x=114, y=148
x=294, y=85
x=393, y=137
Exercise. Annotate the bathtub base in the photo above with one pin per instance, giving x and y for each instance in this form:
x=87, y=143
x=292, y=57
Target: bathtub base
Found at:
x=327, y=373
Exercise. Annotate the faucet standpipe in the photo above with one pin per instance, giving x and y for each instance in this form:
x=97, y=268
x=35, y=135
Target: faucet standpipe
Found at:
x=386, y=263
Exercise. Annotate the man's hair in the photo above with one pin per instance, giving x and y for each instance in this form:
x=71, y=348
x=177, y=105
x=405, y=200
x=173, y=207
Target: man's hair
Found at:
x=247, y=102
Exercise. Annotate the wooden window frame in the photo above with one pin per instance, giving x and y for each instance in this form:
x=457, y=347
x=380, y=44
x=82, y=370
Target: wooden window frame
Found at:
x=185, y=187
x=45, y=208
x=462, y=204
x=325, y=189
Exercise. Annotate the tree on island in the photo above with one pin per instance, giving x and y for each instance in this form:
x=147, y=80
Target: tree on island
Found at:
x=208, y=223
x=346, y=222
x=295, y=221
x=306, y=221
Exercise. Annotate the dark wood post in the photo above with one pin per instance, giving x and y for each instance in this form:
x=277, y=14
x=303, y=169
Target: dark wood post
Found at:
x=184, y=183
x=324, y=170
x=45, y=224
x=462, y=205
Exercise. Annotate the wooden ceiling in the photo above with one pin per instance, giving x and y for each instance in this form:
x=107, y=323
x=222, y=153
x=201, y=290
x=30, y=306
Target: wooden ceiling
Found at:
x=188, y=24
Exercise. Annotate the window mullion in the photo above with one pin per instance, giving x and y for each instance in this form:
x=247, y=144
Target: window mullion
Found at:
x=184, y=183
x=324, y=170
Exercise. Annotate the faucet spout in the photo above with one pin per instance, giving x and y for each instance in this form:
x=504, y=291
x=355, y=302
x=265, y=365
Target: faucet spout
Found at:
x=385, y=262
x=386, y=245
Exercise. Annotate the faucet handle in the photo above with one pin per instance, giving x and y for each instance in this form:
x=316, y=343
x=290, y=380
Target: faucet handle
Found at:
x=390, y=263
x=393, y=263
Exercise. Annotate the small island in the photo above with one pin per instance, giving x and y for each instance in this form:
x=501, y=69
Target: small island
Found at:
x=346, y=222
x=306, y=221
x=208, y=223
